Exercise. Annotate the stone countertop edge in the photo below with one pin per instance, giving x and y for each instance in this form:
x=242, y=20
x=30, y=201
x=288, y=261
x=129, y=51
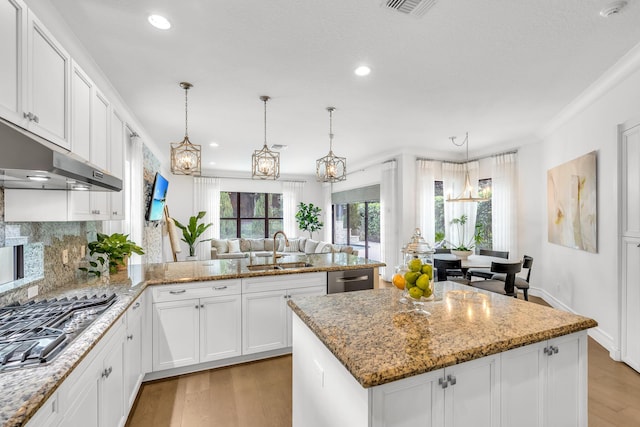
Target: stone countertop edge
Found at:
x=367, y=376
x=31, y=387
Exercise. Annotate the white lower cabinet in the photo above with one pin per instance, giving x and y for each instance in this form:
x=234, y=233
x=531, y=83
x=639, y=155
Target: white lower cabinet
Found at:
x=462, y=395
x=266, y=318
x=195, y=323
x=133, y=369
x=95, y=392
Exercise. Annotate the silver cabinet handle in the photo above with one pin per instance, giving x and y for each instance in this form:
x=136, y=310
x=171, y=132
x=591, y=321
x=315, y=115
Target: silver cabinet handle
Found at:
x=107, y=372
x=638, y=245
x=181, y=291
x=136, y=305
x=555, y=350
x=201, y=305
x=32, y=117
x=443, y=383
x=130, y=337
x=219, y=288
x=352, y=279
x=197, y=306
x=546, y=350
x=451, y=379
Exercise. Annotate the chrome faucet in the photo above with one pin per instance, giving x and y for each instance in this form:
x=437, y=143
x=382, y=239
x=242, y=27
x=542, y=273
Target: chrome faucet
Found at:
x=275, y=244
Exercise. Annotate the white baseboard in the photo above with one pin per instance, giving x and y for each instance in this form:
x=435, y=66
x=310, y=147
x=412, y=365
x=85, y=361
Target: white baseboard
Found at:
x=596, y=333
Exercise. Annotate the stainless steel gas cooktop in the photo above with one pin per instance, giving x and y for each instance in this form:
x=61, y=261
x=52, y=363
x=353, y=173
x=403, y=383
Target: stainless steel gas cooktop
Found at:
x=35, y=333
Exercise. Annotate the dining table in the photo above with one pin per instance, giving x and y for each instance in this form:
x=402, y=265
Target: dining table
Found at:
x=473, y=261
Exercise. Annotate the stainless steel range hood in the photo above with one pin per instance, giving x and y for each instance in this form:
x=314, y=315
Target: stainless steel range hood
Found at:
x=30, y=162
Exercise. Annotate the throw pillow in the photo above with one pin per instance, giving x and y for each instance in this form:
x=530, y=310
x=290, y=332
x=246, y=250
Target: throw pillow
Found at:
x=303, y=241
x=280, y=245
x=346, y=249
x=310, y=246
x=245, y=245
x=257, y=244
x=221, y=245
x=234, y=246
x=323, y=248
x=268, y=244
x=294, y=246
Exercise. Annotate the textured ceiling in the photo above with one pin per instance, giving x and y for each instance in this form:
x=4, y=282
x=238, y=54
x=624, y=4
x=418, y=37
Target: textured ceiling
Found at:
x=498, y=69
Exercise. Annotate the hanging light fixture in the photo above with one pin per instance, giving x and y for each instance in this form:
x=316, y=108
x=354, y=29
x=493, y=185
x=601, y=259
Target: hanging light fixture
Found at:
x=331, y=168
x=185, y=156
x=468, y=194
x=266, y=163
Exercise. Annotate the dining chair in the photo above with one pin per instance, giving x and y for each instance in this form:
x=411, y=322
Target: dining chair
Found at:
x=520, y=282
x=486, y=273
x=506, y=286
x=449, y=269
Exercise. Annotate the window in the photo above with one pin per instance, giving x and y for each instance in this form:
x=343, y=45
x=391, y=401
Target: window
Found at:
x=250, y=215
x=358, y=224
x=483, y=213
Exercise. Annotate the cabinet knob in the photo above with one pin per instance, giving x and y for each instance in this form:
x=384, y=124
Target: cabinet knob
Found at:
x=130, y=337
x=197, y=306
x=443, y=383
x=201, y=305
x=136, y=305
x=451, y=379
x=638, y=245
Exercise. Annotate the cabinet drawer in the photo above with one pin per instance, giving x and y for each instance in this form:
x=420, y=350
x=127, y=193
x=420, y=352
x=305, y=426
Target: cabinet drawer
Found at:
x=212, y=288
x=282, y=282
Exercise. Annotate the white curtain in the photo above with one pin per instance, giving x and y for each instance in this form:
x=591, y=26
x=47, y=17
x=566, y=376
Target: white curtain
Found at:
x=425, y=198
x=206, y=197
x=389, y=218
x=135, y=196
x=327, y=189
x=292, y=192
x=453, y=181
x=503, y=204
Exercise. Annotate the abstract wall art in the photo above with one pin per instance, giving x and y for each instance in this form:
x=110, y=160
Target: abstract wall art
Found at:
x=572, y=204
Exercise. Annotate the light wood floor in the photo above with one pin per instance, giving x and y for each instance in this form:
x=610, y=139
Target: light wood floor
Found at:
x=258, y=394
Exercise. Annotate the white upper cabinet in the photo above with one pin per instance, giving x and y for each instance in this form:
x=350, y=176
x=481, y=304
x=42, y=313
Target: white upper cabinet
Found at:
x=47, y=85
x=81, y=99
x=13, y=24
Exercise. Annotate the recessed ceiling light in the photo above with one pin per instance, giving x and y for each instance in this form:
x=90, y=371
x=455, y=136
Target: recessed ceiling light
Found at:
x=214, y=144
x=38, y=178
x=279, y=147
x=612, y=9
x=362, y=70
x=212, y=163
x=159, y=21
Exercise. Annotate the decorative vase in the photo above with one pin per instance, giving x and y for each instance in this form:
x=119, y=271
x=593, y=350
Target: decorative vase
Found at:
x=191, y=258
x=461, y=254
x=123, y=266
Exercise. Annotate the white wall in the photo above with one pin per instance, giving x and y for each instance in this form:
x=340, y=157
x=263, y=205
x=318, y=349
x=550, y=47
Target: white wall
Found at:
x=583, y=282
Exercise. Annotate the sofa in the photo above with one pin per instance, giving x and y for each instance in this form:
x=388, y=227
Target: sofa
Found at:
x=241, y=248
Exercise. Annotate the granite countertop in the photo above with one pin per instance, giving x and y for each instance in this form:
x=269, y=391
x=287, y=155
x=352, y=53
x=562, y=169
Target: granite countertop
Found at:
x=25, y=390
x=374, y=336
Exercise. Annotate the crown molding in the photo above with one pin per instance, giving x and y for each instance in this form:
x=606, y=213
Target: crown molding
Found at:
x=618, y=72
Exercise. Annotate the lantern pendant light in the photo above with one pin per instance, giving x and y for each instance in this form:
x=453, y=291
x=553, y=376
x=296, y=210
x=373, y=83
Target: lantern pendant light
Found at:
x=331, y=168
x=185, y=156
x=266, y=163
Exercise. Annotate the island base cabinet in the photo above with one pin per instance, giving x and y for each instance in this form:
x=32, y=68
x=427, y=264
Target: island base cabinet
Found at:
x=175, y=334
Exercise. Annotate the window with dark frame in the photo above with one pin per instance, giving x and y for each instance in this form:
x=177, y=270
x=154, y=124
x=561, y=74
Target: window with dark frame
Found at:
x=250, y=215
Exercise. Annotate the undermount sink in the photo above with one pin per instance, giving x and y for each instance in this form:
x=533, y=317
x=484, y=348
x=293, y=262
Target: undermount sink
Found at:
x=282, y=266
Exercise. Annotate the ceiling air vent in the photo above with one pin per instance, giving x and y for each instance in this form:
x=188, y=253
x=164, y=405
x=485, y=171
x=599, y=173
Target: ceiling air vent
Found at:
x=410, y=7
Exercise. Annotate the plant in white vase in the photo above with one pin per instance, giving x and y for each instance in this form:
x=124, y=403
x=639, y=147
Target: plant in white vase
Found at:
x=464, y=247
x=192, y=231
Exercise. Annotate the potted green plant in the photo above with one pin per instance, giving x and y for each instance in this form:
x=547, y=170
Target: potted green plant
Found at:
x=192, y=231
x=114, y=250
x=464, y=247
x=308, y=218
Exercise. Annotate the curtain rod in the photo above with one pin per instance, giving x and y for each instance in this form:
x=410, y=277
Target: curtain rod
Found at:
x=473, y=159
x=248, y=178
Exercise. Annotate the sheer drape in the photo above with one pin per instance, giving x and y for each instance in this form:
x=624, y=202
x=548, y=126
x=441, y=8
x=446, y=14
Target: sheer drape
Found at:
x=327, y=188
x=503, y=200
x=453, y=182
x=425, y=198
x=291, y=198
x=135, y=199
x=206, y=197
x=389, y=218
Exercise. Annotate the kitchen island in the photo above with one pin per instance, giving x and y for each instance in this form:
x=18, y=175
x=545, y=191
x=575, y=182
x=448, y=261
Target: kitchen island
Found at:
x=63, y=391
x=481, y=359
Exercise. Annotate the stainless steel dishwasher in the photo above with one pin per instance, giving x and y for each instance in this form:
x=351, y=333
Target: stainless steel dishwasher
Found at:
x=349, y=280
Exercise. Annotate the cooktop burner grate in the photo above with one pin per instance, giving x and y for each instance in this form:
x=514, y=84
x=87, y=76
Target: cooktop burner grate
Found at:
x=36, y=332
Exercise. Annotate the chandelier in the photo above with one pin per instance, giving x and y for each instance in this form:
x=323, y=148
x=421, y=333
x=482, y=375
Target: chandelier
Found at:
x=185, y=156
x=266, y=163
x=468, y=194
x=331, y=168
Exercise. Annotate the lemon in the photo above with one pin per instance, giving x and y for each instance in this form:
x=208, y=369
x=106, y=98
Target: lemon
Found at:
x=423, y=282
x=427, y=269
x=415, y=265
x=415, y=292
x=398, y=280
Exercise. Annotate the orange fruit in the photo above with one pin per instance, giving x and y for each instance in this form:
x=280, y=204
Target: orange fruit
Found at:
x=398, y=281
